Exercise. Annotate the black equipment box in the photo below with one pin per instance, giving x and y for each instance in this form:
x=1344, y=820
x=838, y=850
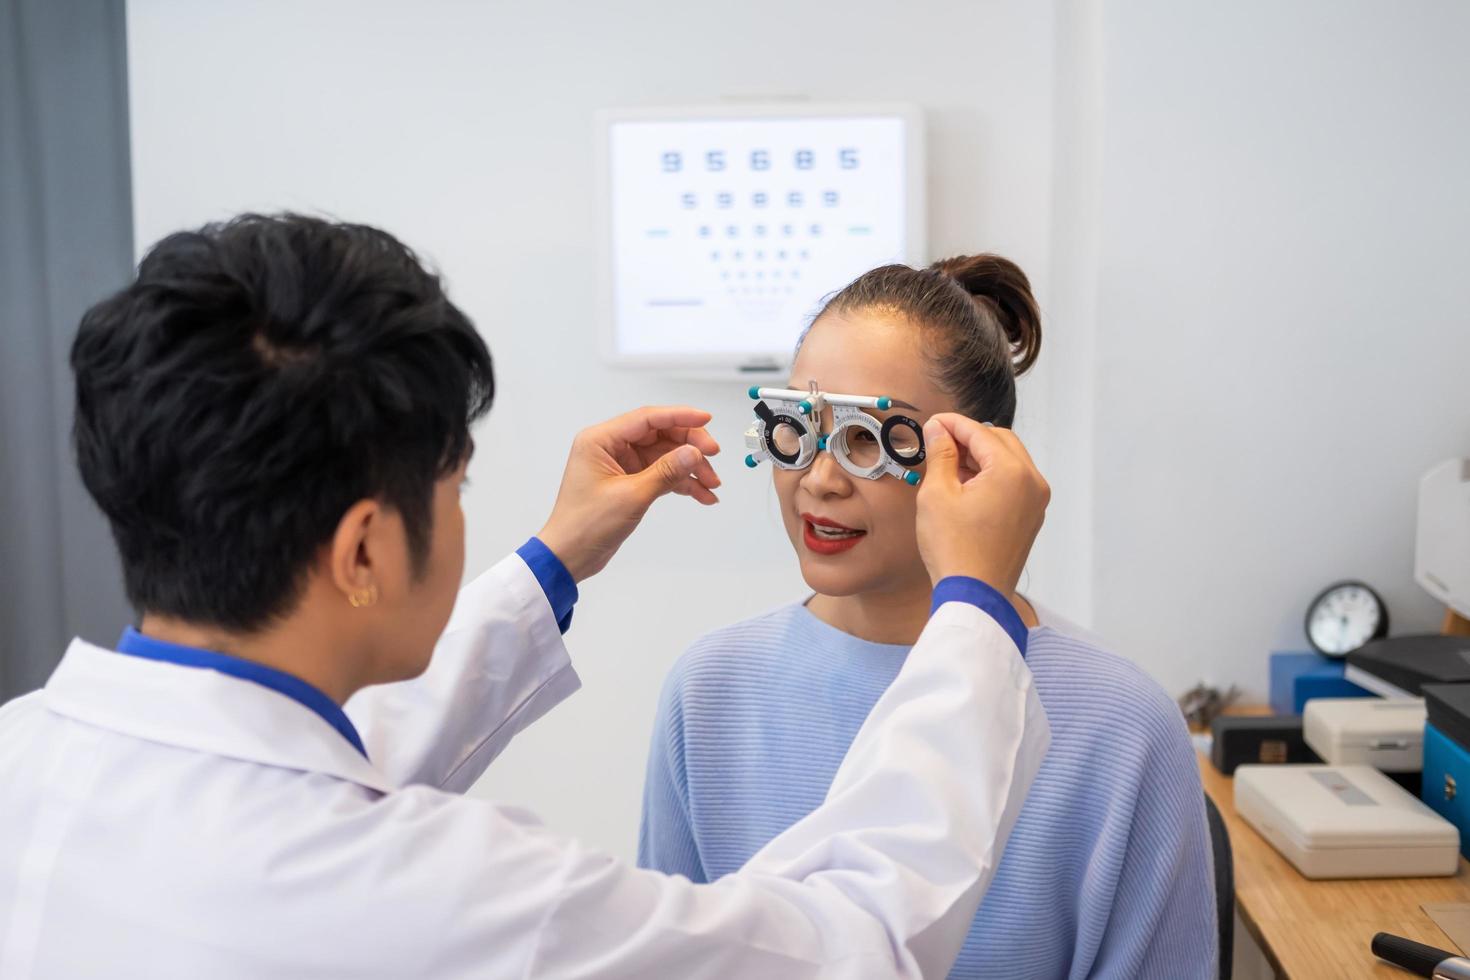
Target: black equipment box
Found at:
x=1241, y=739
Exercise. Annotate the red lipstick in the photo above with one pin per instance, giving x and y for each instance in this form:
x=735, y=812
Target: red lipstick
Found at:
x=839, y=539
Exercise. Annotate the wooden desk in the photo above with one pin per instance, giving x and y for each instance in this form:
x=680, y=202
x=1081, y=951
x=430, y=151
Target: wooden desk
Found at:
x=1313, y=929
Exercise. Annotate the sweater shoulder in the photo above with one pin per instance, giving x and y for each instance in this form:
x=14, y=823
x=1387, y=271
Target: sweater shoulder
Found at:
x=1102, y=691
x=741, y=649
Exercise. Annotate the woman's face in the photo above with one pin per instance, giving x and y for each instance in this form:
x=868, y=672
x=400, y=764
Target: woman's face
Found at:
x=862, y=353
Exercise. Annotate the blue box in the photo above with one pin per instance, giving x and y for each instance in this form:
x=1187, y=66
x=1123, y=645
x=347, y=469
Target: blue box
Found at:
x=1296, y=678
x=1447, y=781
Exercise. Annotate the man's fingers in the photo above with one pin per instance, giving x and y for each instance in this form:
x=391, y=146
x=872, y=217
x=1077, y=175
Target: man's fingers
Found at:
x=963, y=428
x=940, y=451
x=648, y=455
x=698, y=438
x=674, y=472
x=701, y=483
x=705, y=474
x=693, y=488
x=984, y=446
x=616, y=470
x=978, y=444
x=703, y=441
x=666, y=441
x=636, y=426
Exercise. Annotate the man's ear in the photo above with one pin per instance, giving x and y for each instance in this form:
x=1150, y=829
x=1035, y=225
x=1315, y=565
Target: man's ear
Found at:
x=350, y=559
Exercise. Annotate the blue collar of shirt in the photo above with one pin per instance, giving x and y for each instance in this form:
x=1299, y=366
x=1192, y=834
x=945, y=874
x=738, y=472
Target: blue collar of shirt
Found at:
x=135, y=644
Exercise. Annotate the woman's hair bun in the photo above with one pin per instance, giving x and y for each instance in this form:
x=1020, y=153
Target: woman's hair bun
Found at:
x=1001, y=289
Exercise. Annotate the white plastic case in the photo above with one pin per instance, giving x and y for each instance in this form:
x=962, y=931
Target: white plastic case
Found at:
x=1345, y=822
x=1382, y=733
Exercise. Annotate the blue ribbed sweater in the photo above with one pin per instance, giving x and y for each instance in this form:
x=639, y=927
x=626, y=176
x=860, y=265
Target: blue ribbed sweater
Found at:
x=1108, y=871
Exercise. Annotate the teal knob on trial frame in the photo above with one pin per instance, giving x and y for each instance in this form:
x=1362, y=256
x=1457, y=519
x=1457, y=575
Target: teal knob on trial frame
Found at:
x=753, y=391
x=884, y=402
x=751, y=462
x=822, y=443
x=912, y=478
x=804, y=408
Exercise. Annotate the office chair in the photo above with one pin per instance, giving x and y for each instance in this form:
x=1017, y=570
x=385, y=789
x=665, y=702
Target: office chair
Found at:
x=1224, y=885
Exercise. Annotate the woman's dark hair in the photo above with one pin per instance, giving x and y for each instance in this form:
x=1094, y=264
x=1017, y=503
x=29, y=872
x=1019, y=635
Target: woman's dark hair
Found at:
x=979, y=311
x=258, y=378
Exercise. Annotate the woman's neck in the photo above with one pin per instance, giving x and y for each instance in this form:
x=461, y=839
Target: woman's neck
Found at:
x=890, y=616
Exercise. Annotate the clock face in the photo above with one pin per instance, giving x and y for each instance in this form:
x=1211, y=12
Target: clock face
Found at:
x=1345, y=617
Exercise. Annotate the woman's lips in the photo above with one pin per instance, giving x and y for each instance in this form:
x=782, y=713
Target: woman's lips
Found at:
x=832, y=540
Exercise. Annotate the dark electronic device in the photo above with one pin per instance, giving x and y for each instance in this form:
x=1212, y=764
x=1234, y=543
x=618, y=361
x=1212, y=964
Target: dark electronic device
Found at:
x=1448, y=707
x=1242, y=739
x=1410, y=662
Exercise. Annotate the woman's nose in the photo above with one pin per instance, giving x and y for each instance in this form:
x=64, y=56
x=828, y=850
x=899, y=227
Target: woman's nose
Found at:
x=826, y=477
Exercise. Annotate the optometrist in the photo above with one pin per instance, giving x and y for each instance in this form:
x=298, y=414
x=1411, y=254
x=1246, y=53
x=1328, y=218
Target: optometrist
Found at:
x=262, y=777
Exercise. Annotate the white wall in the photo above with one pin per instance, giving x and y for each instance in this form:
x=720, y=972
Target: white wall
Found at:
x=466, y=129
x=1281, y=329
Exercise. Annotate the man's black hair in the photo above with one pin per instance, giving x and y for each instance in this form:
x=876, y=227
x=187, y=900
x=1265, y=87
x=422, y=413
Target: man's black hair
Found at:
x=258, y=378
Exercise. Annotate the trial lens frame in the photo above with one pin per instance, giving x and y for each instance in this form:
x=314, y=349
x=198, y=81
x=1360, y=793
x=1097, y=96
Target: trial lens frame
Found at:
x=801, y=413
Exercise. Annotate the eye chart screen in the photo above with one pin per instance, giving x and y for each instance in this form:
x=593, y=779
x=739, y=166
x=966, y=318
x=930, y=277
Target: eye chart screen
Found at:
x=726, y=233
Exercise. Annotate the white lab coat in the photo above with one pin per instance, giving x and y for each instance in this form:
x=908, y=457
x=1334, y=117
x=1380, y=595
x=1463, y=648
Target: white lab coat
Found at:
x=164, y=821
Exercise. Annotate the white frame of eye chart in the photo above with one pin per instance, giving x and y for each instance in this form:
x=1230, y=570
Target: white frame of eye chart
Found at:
x=752, y=363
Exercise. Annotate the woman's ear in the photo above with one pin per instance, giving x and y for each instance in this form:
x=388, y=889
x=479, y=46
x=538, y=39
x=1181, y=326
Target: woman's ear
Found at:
x=351, y=558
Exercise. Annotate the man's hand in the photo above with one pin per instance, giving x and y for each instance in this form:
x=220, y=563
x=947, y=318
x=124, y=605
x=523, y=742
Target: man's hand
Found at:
x=981, y=503
x=616, y=470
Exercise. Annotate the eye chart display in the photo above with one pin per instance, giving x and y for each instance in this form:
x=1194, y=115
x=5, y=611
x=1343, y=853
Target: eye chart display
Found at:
x=724, y=229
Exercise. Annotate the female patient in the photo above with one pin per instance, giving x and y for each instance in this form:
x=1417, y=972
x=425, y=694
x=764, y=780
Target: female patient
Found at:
x=1108, y=871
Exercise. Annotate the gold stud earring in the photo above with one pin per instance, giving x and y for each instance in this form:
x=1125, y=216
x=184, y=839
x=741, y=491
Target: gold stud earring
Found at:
x=363, y=597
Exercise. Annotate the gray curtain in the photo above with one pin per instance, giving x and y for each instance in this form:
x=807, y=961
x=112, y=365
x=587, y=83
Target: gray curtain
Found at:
x=65, y=242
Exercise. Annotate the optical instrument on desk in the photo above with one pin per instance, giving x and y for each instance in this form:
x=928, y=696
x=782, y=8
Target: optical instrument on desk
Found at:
x=1345, y=822
x=1385, y=734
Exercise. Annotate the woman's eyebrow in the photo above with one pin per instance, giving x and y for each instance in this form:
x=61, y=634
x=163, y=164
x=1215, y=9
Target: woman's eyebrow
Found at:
x=894, y=404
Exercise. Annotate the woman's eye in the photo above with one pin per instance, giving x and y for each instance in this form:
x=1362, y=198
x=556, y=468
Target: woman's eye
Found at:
x=865, y=436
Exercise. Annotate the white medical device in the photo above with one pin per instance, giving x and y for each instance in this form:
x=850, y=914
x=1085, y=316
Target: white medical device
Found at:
x=1385, y=734
x=1442, y=539
x=1345, y=822
x=722, y=227
x=787, y=432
